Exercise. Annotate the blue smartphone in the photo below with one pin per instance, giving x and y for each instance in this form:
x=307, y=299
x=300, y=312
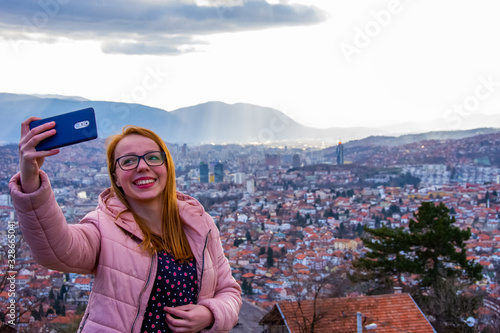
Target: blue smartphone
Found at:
x=72, y=127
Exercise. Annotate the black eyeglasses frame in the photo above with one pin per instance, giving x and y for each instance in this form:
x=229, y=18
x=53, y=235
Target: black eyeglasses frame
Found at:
x=139, y=157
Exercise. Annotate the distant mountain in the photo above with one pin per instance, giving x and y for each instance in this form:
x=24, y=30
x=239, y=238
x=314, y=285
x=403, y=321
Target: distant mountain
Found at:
x=373, y=141
x=211, y=122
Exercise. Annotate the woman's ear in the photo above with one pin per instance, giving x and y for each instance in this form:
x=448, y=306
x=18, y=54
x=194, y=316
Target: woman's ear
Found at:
x=116, y=180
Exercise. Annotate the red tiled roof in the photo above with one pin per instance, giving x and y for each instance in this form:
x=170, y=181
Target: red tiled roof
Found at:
x=392, y=313
x=82, y=281
x=248, y=275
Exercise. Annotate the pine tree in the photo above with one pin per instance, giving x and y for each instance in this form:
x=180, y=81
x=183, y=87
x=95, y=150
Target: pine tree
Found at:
x=433, y=248
x=40, y=310
x=247, y=287
x=62, y=292
x=439, y=246
x=51, y=294
x=389, y=255
x=270, y=257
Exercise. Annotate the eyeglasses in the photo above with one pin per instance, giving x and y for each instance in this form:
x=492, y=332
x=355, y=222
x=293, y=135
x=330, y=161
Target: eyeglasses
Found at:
x=129, y=162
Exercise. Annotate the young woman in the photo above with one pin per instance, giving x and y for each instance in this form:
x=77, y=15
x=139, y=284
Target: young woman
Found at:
x=156, y=254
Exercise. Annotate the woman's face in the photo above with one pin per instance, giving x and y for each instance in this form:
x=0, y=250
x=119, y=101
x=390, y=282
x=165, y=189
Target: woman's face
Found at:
x=145, y=183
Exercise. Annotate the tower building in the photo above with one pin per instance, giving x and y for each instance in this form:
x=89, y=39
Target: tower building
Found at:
x=203, y=173
x=219, y=172
x=340, y=154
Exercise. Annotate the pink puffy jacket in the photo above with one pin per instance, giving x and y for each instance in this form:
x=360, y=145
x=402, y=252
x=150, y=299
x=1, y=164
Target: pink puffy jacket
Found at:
x=108, y=247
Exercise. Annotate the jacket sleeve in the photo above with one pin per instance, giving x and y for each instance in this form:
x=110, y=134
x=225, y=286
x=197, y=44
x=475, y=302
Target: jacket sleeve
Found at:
x=226, y=303
x=54, y=244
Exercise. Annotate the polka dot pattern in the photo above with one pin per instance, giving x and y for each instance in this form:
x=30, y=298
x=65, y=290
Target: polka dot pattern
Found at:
x=176, y=284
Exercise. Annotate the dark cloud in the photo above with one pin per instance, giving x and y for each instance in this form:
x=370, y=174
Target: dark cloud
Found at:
x=133, y=27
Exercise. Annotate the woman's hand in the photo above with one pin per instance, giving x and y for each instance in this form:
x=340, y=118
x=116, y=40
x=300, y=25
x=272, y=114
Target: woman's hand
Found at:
x=30, y=160
x=190, y=318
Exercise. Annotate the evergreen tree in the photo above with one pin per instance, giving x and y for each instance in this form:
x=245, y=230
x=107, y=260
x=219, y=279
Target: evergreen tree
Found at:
x=238, y=241
x=57, y=306
x=248, y=236
x=270, y=257
x=389, y=255
x=341, y=230
x=62, y=292
x=394, y=209
x=51, y=294
x=439, y=246
x=434, y=249
x=262, y=250
x=359, y=229
x=36, y=315
x=247, y=287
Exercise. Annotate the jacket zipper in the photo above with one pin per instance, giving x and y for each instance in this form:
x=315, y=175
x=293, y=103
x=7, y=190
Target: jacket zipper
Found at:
x=203, y=264
x=83, y=322
x=142, y=292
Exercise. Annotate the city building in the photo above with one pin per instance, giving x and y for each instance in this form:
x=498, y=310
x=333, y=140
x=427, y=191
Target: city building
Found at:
x=340, y=154
x=203, y=172
x=219, y=172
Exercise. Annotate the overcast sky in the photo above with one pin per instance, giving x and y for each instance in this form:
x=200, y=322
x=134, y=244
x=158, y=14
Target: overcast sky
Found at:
x=324, y=63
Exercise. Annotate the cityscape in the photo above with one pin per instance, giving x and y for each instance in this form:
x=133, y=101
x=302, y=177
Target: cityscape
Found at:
x=289, y=217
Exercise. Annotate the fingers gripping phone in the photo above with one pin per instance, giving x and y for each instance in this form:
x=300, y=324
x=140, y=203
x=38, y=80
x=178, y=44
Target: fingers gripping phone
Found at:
x=71, y=128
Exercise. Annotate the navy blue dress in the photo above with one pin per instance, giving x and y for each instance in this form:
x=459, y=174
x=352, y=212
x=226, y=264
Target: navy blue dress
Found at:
x=176, y=283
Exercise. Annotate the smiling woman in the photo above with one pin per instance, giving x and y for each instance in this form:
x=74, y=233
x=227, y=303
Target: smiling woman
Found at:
x=155, y=253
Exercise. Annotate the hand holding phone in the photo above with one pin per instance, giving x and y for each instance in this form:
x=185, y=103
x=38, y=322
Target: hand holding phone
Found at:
x=71, y=128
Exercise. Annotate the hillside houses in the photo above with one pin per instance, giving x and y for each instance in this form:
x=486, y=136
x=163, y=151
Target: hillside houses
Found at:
x=312, y=220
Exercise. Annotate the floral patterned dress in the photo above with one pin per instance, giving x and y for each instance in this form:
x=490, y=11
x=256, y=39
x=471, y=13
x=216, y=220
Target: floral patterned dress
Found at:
x=176, y=284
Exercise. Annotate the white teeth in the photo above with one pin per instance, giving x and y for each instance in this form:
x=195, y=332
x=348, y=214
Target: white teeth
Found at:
x=143, y=182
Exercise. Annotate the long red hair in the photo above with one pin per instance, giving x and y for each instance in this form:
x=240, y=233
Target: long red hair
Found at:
x=173, y=239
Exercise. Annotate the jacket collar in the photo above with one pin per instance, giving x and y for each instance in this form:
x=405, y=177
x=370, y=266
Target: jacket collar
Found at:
x=112, y=206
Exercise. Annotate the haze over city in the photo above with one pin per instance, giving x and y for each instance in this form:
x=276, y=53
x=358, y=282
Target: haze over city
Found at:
x=324, y=63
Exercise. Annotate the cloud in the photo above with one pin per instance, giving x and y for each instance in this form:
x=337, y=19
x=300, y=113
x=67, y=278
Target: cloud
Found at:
x=146, y=27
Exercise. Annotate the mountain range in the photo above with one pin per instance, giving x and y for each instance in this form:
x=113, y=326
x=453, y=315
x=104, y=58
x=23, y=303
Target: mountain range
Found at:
x=211, y=122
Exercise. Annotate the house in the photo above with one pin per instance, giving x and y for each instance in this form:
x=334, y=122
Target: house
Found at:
x=344, y=244
x=83, y=284
x=391, y=313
